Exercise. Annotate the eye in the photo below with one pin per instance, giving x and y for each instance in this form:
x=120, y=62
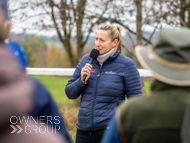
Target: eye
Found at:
x=96, y=39
x=103, y=40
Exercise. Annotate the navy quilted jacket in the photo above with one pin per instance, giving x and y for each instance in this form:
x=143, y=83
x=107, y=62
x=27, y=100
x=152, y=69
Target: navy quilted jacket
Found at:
x=101, y=94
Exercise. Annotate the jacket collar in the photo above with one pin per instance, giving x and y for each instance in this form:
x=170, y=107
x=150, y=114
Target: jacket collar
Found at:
x=111, y=58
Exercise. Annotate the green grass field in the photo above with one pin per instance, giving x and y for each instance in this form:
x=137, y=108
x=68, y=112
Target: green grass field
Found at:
x=147, y=85
x=56, y=86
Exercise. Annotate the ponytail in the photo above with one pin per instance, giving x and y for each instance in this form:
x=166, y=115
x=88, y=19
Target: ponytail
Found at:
x=115, y=33
x=119, y=37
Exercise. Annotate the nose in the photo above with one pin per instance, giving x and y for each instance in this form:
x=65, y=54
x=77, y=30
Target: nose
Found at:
x=97, y=43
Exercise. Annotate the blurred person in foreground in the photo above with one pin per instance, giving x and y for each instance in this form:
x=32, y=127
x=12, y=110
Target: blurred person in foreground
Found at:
x=45, y=108
x=110, y=79
x=157, y=118
x=17, y=99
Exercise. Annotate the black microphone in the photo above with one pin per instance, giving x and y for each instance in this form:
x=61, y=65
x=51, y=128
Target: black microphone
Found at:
x=93, y=55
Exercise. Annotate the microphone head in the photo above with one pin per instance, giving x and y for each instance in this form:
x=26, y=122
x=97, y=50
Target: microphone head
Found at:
x=94, y=53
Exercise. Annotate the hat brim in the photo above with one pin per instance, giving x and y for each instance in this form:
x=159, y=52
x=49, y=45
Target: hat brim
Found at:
x=173, y=76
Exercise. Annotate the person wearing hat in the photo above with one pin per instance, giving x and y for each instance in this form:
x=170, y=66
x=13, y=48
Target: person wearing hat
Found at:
x=157, y=118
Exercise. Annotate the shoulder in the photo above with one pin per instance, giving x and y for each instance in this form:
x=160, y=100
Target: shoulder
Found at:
x=35, y=81
x=42, y=95
x=125, y=59
x=15, y=46
x=85, y=58
x=135, y=106
x=39, y=87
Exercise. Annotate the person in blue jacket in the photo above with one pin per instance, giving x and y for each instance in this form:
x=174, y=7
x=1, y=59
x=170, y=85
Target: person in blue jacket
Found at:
x=17, y=98
x=45, y=108
x=18, y=52
x=110, y=79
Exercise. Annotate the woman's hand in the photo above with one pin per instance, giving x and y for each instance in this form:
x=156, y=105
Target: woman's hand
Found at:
x=86, y=71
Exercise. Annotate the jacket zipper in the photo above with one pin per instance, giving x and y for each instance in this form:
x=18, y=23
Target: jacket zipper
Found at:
x=92, y=118
x=100, y=71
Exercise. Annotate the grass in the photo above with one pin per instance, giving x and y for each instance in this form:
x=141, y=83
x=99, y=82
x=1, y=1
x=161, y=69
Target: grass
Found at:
x=147, y=85
x=56, y=86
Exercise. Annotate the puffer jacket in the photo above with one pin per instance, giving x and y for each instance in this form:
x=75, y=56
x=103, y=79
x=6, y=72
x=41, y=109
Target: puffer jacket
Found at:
x=105, y=89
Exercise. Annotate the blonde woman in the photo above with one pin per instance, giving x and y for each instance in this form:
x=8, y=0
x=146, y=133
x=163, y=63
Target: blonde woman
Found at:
x=109, y=80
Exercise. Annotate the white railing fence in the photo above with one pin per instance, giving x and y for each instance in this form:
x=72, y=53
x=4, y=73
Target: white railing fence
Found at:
x=70, y=71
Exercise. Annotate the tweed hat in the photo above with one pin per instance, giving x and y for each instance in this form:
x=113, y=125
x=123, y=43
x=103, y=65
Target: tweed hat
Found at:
x=169, y=57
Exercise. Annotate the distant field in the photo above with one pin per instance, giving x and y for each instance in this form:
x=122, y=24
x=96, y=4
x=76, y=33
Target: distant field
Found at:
x=56, y=86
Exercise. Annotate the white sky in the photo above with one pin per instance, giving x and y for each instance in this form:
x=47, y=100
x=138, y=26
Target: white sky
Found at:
x=19, y=25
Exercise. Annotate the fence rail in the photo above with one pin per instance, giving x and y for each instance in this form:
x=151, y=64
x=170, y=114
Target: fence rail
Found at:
x=70, y=71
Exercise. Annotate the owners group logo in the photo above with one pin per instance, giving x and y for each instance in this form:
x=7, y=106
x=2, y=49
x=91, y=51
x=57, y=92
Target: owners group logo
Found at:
x=29, y=124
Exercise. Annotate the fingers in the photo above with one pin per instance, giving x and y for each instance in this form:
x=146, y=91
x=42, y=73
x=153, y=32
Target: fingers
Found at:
x=87, y=68
x=86, y=71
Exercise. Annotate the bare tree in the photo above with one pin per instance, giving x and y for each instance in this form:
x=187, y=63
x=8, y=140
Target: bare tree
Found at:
x=134, y=16
x=77, y=19
x=139, y=21
x=72, y=19
x=175, y=13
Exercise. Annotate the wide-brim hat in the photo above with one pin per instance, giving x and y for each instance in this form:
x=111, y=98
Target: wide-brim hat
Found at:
x=169, y=58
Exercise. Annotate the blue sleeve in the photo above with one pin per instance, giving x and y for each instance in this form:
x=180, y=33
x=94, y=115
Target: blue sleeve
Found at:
x=75, y=87
x=111, y=135
x=132, y=80
x=46, y=109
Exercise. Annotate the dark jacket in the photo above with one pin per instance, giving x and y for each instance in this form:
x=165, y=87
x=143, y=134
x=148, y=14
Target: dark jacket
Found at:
x=101, y=94
x=16, y=100
x=156, y=118
x=46, y=108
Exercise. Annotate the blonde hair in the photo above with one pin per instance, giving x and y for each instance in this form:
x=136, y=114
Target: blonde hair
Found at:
x=115, y=33
x=2, y=26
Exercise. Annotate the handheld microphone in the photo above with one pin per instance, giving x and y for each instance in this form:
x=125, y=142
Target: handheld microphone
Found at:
x=93, y=55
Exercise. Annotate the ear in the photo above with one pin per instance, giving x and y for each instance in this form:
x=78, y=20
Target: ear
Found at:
x=8, y=28
x=114, y=43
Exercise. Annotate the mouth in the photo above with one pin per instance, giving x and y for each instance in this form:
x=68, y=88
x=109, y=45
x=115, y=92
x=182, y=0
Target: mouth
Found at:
x=98, y=49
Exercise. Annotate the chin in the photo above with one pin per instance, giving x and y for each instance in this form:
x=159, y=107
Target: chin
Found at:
x=100, y=53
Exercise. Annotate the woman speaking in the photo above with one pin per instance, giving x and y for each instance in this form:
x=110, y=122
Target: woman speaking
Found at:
x=109, y=79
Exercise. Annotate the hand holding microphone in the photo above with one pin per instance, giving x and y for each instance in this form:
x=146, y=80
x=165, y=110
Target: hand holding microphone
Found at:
x=85, y=72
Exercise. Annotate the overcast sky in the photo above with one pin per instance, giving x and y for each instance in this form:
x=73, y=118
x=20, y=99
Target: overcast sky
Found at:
x=19, y=26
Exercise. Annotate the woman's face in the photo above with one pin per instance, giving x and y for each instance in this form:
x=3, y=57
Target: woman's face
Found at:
x=104, y=42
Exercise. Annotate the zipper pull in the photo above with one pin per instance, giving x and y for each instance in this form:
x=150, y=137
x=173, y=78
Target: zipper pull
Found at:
x=99, y=71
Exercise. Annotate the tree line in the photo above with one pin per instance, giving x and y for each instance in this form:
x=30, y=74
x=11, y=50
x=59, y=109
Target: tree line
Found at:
x=42, y=54
x=81, y=18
